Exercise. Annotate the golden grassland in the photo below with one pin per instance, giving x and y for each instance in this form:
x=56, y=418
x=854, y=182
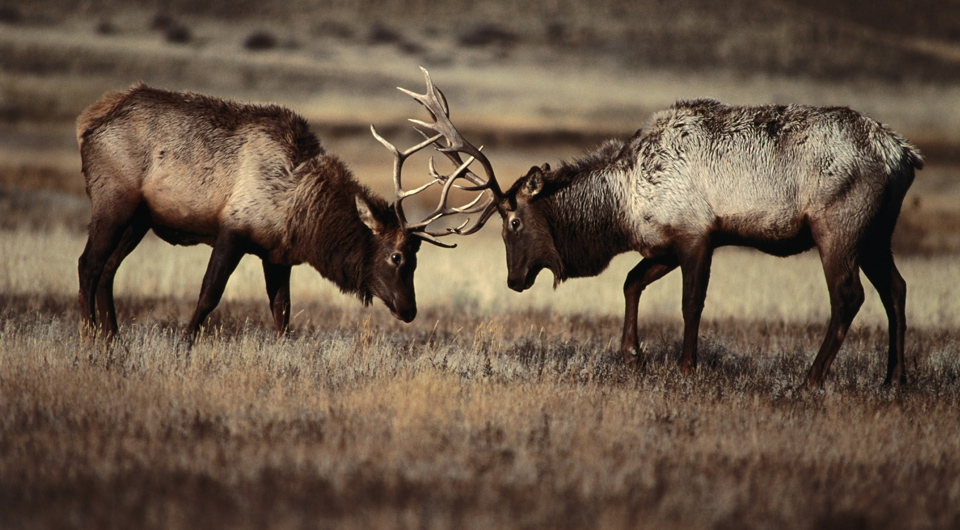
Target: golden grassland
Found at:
x=491, y=410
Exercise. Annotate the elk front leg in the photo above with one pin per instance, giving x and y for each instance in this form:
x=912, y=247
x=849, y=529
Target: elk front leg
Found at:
x=695, y=263
x=226, y=255
x=646, y=272
x=846, y=297
x=278, y=289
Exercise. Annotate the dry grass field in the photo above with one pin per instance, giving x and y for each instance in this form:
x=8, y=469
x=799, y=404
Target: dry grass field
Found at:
x=492, y=409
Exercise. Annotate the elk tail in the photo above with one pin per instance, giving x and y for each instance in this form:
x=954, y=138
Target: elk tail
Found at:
x=901, y=160
x=901, y=154
x=912, y=155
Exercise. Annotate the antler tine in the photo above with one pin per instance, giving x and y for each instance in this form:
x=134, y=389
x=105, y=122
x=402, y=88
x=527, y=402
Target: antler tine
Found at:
x=486, y=209
x=398, y=159
x=479, y=183
x=436, y=104
x=489, y=207
x=448, y=141
x=443, y=209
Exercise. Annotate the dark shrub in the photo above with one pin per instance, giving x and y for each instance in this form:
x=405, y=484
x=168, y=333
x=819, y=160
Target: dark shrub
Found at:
x=178, y=34
x=162, y=21
x=10, y=14
x=411, y=48
x=381, y=34
x=260, y=40
x=105, y=27
x=485, y=34
x=556, y=33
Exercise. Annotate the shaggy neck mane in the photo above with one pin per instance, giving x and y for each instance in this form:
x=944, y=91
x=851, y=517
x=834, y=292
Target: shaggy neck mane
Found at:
x=583, y=204
x=608, y=157
x=324, y=215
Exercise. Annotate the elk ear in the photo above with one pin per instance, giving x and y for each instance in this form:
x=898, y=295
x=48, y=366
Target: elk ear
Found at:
x=534, y=181
x=366, y=215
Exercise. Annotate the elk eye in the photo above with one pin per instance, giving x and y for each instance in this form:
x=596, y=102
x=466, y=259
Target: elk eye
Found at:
x=396, y=258
x=515, y=223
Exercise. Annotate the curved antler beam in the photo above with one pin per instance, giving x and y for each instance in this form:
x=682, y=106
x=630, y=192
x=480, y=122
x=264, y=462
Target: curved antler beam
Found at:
x=448, y=141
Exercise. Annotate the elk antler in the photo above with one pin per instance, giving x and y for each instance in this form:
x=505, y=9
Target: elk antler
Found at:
x=436, y=104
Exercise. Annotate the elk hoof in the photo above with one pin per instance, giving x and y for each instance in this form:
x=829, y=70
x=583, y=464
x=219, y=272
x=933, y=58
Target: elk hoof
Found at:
x=896, y=378
x=633, y=356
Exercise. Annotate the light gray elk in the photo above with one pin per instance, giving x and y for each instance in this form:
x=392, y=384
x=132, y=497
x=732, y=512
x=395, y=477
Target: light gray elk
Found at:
x=700, y=175
x=245, y=179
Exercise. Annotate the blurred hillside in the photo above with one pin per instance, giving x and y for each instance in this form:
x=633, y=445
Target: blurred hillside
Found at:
x=532, y=81
x=884, y=40
x=603, y=65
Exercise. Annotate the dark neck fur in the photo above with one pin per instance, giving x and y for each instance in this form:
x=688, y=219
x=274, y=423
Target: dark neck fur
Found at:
x=326, y=230
x=583, y=206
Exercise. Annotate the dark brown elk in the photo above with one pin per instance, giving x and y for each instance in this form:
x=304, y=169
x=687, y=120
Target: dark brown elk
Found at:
x=782, y=179
x=245, y=179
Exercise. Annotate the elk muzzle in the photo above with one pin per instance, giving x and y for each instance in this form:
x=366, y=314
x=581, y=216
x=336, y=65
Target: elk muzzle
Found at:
x=521, y=275
x=407, y=314
x=403, y=309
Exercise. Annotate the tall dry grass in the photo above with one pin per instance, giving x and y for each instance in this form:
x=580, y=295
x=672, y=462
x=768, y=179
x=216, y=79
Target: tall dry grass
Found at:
x=491, y=410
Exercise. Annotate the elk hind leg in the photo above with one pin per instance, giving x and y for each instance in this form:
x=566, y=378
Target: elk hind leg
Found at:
x=106, y=233
x=278, y=289
x=646, y=272
x=846, y=297
x=227, y=251
x=107, y=313
x=880, y=269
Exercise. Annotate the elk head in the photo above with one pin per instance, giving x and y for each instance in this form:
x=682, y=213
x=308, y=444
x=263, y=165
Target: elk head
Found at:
x=393, y=260
x=526, y=233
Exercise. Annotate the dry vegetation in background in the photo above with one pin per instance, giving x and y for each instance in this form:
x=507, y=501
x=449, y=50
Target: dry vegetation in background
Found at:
x=491, y=410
